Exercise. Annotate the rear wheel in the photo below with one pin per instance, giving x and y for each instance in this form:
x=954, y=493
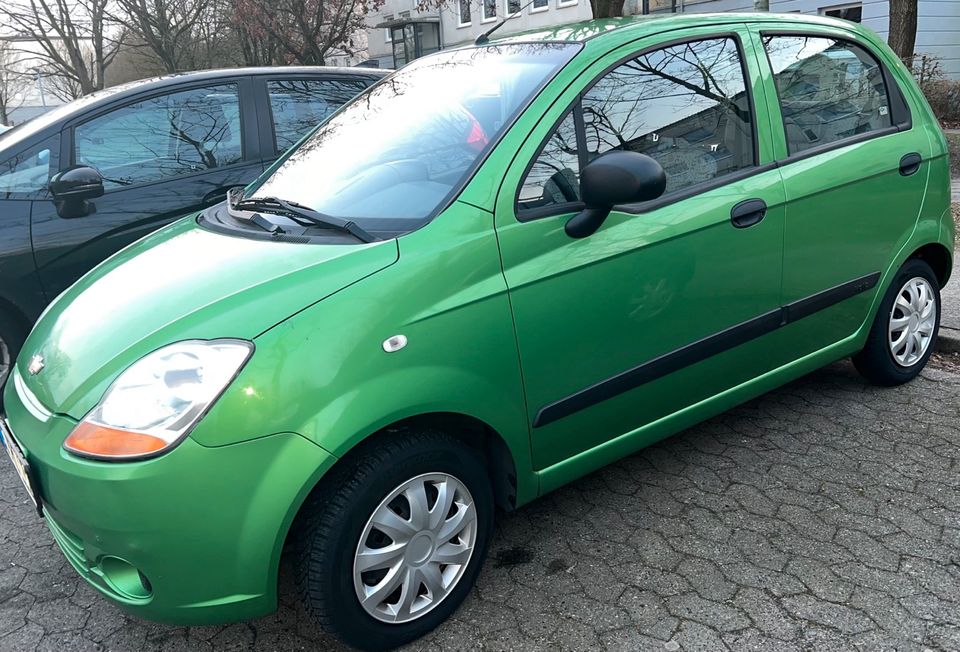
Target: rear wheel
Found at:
x=392, y=542
x=905, y=330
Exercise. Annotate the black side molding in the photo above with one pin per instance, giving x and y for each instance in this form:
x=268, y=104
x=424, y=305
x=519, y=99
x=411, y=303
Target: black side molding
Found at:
x=822, y=300
x=702, y=349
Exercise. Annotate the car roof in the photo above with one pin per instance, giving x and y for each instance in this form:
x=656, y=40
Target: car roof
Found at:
x=587, y=30
x=112, y=94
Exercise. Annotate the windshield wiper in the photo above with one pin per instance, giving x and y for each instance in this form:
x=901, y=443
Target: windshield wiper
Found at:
x=303, y=215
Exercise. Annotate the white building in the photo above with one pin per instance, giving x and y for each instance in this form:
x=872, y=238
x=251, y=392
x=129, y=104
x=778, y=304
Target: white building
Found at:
x=399, y=32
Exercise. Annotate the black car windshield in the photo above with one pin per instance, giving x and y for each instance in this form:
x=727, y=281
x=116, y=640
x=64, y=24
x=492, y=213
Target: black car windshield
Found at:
x=392, y=157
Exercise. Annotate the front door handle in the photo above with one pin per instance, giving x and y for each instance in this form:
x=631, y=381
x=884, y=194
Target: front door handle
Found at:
x=910, y=164
x=747, y=213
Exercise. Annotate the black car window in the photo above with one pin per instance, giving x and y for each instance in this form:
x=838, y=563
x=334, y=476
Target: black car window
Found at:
x=829, y=90
x=299, y=105
x=685, y=105
x=163, y=137
x=27, y=173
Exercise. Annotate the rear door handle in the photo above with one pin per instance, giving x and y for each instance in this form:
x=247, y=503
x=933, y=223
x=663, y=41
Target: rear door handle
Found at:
x=747, y=213
x=910, y=164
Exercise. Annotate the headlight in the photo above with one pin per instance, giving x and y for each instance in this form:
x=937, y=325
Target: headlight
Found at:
x=155, y=403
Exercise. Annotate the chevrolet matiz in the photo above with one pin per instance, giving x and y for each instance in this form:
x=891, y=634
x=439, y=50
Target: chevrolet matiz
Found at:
x=497, y=270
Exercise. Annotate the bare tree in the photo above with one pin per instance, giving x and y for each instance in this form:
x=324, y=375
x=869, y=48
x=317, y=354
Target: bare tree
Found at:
x=70, y=35
x=172, y=30
x=903, y=29
x=298, y=31
x=13, y=80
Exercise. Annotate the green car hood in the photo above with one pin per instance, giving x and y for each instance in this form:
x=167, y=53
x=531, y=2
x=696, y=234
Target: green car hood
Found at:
x=182, y=282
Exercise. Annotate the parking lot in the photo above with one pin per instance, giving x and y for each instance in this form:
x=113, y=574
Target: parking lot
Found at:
x=825, y=515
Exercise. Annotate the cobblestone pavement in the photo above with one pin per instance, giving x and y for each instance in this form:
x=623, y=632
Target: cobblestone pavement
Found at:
x=825, y=515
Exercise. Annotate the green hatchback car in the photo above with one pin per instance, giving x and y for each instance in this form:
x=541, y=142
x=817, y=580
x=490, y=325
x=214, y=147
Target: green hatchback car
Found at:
x=497, y=270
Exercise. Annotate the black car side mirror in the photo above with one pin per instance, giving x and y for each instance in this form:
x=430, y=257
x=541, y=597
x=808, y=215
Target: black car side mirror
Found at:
x=615, y=178
x=71, y=190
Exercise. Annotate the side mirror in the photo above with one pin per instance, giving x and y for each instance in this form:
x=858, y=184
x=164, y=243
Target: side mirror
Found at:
x=72, y=188
x=615, y=178
x=76, y=184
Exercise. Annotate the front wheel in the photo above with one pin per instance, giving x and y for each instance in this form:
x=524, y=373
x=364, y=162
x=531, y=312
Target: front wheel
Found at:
x=905, y=330
x=392, y=541
x=11, y=339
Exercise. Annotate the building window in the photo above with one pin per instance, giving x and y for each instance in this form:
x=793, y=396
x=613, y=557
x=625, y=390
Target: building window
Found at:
x=387, y=37
x=853, y=13
x=566, y=3
x=512, y=8
x=539, y=5
x=465, y=13
x=489, y=11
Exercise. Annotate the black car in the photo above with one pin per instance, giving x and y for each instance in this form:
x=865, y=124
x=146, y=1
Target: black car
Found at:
x=88, y=178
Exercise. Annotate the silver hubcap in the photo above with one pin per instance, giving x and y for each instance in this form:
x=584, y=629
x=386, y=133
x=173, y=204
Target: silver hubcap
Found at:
x=912, y=322
x=415, y=548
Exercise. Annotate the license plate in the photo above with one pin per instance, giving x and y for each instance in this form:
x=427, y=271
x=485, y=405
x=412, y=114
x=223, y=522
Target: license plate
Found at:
x=20, y=464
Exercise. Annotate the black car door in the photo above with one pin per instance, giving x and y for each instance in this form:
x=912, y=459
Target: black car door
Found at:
x=161, y=156
x=25, y=171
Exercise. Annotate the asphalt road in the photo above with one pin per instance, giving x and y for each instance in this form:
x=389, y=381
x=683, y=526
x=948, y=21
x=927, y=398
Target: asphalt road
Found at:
x=825, y=515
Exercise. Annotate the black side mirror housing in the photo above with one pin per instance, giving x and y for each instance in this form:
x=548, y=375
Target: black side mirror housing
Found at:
x=77, y=183
x=71, y=190
x=614, y=178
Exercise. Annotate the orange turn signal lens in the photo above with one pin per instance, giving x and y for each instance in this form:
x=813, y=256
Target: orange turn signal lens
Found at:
x=91, y=439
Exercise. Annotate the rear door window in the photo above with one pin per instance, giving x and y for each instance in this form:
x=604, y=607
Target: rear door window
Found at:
x=299, y=105
x=829, y=90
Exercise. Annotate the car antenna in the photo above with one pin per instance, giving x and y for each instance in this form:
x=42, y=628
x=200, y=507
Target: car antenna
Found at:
x=484, y=38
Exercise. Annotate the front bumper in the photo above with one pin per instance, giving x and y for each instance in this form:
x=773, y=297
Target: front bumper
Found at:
x=190, y=537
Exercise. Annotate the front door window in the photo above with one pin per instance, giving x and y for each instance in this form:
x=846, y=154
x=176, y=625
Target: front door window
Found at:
x=163, y=137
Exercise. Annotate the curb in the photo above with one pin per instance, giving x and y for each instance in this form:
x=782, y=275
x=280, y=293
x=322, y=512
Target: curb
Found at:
x=948, y=340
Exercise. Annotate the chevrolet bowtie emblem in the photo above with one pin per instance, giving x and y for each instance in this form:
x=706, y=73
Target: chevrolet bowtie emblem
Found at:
x=36, y=365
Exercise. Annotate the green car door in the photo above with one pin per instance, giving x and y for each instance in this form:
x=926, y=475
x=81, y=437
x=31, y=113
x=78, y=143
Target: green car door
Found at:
x=643, y=317
x=854, y=171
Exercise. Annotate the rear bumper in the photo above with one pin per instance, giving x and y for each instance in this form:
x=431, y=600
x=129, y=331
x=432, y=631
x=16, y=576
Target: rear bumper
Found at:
x=190, y=537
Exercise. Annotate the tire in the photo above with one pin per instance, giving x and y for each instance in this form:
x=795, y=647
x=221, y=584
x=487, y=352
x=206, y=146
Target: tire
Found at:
x=341, y=512
x=11, y=339
x=878, y=362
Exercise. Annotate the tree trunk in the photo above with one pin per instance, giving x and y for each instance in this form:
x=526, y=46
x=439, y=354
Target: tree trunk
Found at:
x=607, y=8
x=903, y=29
x=761, y=5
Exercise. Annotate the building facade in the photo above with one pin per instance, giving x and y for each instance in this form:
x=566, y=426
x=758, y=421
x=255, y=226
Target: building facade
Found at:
x=400, y=32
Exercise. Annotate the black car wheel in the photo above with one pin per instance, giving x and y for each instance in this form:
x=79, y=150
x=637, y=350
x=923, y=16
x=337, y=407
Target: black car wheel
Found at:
x=393, y=540
x=905, y=329
x=11, y=339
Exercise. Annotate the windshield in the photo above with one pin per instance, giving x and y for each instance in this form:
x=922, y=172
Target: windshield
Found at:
x=392, y=157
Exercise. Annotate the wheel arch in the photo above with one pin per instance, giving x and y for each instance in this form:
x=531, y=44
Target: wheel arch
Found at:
x=938, y=257
x=473, y=432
